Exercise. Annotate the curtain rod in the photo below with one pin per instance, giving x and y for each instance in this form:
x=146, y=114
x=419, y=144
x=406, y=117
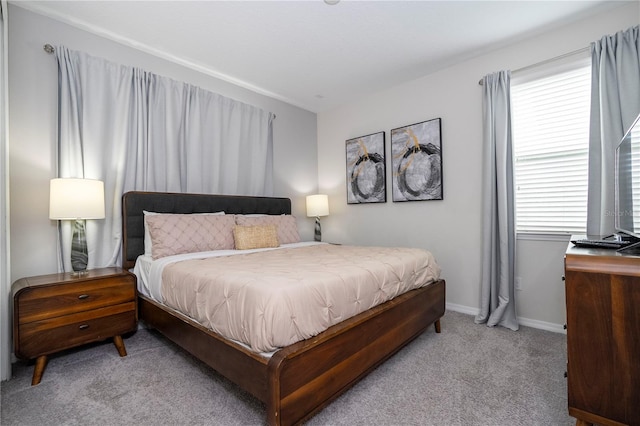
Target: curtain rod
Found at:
x=546, y=61
x=50, y=49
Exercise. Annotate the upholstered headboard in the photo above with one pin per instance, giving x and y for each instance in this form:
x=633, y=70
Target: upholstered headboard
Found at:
x=133, y=203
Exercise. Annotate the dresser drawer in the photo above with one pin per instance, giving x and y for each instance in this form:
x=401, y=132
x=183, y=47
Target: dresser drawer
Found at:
x=55, y=334
x=39, y=303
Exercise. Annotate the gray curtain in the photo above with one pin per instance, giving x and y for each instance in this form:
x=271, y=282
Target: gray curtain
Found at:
x=498, y=213
x=135, y=130
x=615, y=103
x=5, y=273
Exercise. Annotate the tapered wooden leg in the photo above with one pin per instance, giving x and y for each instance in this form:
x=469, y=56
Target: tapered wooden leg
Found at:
x=437, y=325
x=117, y=340
x=38, y=371
x=583, y=423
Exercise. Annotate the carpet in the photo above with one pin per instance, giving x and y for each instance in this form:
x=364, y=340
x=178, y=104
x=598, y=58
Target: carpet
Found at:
x=467, y=375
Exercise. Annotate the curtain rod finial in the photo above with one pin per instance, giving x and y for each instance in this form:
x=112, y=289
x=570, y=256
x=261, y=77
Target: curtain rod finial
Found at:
x=48, y=48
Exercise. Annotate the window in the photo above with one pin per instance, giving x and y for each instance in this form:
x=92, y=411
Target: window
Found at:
x=550, y=119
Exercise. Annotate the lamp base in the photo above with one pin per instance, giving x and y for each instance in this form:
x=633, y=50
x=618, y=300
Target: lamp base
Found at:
x=317, y=233
x=79, y=252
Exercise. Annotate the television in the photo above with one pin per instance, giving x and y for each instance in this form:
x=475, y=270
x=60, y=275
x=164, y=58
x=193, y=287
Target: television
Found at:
x=627, y=187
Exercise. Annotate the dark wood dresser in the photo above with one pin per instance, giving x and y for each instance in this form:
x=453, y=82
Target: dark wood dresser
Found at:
x=60, y=311
x=603, y=336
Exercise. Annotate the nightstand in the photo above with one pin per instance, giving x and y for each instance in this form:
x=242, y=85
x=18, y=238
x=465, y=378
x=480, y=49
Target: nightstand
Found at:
x=60, y=311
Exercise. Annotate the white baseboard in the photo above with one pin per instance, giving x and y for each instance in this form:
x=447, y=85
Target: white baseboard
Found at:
x=462, y=309
x=527, y=322
x=542, y=325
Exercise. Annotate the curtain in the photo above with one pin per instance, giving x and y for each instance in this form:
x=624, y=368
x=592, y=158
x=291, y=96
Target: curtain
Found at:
x=5, y=273
x=615, y=103
x=498, y=212
x=202, y=142
x=135, y=130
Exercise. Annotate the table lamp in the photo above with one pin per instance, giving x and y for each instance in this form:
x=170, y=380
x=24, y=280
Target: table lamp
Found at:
x=317, y=205
x=77, y=200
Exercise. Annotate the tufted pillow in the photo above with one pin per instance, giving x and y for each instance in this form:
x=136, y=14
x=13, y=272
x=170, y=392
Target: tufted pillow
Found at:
x=252, y=237
x=286, y=225
x=148, y=245
x=189, y=233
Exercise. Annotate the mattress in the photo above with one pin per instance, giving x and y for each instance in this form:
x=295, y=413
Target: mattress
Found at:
x=271, y=298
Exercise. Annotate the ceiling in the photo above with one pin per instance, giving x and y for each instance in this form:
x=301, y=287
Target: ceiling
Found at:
x=312, y=54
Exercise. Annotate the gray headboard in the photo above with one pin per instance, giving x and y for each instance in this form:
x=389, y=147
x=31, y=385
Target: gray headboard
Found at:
x=133, y=203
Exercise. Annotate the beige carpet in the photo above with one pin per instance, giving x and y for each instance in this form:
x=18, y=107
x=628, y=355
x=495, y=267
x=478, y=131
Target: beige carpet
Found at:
x=467, y=375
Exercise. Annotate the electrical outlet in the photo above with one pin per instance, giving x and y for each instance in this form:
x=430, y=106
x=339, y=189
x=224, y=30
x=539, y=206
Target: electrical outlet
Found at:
x=518, y=283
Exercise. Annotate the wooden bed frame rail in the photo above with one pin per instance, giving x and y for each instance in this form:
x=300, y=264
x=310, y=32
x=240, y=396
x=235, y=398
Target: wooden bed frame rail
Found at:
x=301, y=379
x=307, y=376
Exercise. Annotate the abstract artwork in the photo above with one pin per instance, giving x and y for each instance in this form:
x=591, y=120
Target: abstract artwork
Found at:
x=366, y=171
x=416, y=157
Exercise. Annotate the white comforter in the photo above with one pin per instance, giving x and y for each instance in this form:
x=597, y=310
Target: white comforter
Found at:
x=272, y=298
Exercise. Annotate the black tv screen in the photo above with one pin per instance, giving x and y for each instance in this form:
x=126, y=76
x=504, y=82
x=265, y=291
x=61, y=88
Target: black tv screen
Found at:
x=627, y=182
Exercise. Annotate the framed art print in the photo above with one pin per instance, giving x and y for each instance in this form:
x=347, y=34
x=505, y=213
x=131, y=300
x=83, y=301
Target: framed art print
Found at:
x=416, y=157
x=366, y=171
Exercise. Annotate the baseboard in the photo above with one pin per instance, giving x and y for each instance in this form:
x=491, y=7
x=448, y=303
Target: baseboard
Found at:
x=527, y=322
x=462, y=309
x=542, y=325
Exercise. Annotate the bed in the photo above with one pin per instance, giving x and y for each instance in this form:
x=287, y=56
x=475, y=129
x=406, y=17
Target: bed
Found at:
x=297, y=380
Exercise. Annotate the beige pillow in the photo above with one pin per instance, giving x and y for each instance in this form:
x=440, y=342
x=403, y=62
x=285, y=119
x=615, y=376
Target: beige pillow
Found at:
x=147, y=237
x=252, y=237
x=189, y=233
x=286, y=225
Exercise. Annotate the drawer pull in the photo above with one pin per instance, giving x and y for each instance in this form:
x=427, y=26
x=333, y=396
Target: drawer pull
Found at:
x=83, y=296
x=83, y=326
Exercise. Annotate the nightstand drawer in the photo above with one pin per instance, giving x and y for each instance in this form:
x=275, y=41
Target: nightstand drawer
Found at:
x=55, y=334
x=39, y=303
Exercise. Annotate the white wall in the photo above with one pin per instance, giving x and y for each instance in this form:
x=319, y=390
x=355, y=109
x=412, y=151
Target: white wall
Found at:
x=451, y=228
x=32, y=138
x=33, y=97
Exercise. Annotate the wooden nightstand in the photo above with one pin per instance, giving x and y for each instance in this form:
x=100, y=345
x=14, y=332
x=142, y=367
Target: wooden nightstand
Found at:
x=60, y=311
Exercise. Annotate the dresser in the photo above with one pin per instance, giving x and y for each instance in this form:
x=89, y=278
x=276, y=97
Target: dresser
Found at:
x=603, y=336
x=60, y=311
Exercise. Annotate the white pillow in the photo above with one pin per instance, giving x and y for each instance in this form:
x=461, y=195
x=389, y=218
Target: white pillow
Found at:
x=147, y=235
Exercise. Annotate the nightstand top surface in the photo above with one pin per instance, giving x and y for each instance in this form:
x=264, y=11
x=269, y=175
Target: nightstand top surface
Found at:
x=66, y=277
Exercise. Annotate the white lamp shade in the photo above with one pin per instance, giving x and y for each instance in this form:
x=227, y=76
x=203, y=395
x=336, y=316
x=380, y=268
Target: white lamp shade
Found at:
x=317, y=205
x=72, y=198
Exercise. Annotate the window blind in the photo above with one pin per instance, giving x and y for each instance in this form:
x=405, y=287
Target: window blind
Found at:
x=635, y=184
x=550, y=118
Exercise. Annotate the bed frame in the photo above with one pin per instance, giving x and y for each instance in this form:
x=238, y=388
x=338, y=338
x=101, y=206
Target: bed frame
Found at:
x=300, y=379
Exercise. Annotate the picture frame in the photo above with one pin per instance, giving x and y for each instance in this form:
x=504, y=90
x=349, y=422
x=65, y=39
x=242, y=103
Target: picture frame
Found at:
x=366, y=169
x=416, y=158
